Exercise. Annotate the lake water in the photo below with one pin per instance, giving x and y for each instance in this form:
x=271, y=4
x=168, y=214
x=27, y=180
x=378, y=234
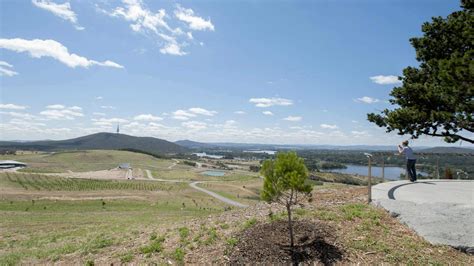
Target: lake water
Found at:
x=213, y=173
x=391, y=172
x=262, y=151
x=203, y=154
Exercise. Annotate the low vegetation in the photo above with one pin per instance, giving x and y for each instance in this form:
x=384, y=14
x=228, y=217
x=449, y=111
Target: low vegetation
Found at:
x=50, y=183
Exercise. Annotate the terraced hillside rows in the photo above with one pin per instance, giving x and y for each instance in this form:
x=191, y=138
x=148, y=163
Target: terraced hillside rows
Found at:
x=49, y=183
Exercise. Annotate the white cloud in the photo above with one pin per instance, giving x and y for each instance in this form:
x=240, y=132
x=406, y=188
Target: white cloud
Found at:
x=171, y=46
x=107, y=107
x=109, y=121
x=75, y=108
x=360, y=133
x=142, y=18
x=5, y=69
x=267, y=113
x=202, y=111
x=12, y=106
x=239, y=112
x=194, y=125
x=55, y=106
x=293, y=118
x=98, y=114
x=267, y=102
x=366, y=99
x=191, y=112
x=49, y=48
x=61, y=114
x=19, y=115
x=147, y=117
x=385, y=80
x=194, y=22
x=182, y=115
x=155, y=24
x=98, y=98
x=147, y=22
x=63, y=11
x=326, y=126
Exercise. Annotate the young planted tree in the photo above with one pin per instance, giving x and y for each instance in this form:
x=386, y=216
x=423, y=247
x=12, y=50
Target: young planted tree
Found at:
x=437, y=98
x=286, y=183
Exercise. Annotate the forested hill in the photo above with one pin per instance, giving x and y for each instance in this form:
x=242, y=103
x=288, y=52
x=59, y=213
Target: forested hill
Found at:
x=99, y=141
x=457, y=150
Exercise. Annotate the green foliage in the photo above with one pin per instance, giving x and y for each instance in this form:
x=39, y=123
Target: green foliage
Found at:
x=225, y=226
x=254, y=168
x=178, y=255
x=286, y=173
x=183, y=232
x=232, y=241
x=127, y=257
x=190, y=163
x=211, y=236
x=437, y=98
x=285, y=181
x=53, y=183
x=359, y=210
x=249, y=223
x=155, y=246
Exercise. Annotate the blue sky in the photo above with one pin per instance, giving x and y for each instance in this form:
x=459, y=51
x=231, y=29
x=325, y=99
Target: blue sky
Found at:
x=300, y=72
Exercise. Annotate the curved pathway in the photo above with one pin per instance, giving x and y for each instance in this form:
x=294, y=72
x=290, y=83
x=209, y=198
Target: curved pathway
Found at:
x=194, y=185
x=174, y=164
x=217, y=196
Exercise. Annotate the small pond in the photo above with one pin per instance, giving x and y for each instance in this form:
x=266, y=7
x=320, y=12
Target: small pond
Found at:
x=213, y=173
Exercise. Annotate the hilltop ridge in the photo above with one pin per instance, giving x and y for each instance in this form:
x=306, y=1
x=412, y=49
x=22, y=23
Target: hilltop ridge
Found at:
x=99, y=141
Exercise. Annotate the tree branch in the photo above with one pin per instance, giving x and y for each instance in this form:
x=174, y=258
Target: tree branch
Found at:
x=451, y=135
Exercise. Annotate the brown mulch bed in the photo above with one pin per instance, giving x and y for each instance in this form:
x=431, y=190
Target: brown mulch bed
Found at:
x=268, y=243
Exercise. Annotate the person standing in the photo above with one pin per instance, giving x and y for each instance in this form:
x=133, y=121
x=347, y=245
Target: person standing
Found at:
x=411, y=159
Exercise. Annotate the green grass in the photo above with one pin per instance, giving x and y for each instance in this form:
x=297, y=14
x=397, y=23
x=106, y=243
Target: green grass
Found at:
x=126, y=257
x=48, y=230
x=155, y=246
x=52, y=183
x=359, y=210
x=178, y=255
x=82, y=161
x=249, y=223
x=183, y=232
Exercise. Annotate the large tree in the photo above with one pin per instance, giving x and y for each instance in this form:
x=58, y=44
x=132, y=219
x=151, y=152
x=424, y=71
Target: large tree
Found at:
x=285, y=182
x=437, y=98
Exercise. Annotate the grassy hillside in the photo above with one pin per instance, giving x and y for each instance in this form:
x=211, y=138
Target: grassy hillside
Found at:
x=81, y=161
x=99, y=141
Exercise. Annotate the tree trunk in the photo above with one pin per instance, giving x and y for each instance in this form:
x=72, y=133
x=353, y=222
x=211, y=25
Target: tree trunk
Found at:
x=290, y=225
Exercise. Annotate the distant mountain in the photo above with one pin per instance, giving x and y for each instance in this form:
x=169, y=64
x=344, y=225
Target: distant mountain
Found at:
x=457, y=150
x=100, y=141
x=255, y=146
x=193, y=144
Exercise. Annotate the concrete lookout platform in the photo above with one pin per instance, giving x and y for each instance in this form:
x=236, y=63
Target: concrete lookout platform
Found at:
x=441, y=211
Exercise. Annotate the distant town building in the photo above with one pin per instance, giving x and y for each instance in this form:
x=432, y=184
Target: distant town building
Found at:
x=11, y=164
x=125, y=166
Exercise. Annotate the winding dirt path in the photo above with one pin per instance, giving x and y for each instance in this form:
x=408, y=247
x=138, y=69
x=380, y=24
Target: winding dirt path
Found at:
x=174, y=164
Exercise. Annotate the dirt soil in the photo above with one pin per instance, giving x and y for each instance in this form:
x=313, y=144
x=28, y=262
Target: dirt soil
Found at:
x=314, y=242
